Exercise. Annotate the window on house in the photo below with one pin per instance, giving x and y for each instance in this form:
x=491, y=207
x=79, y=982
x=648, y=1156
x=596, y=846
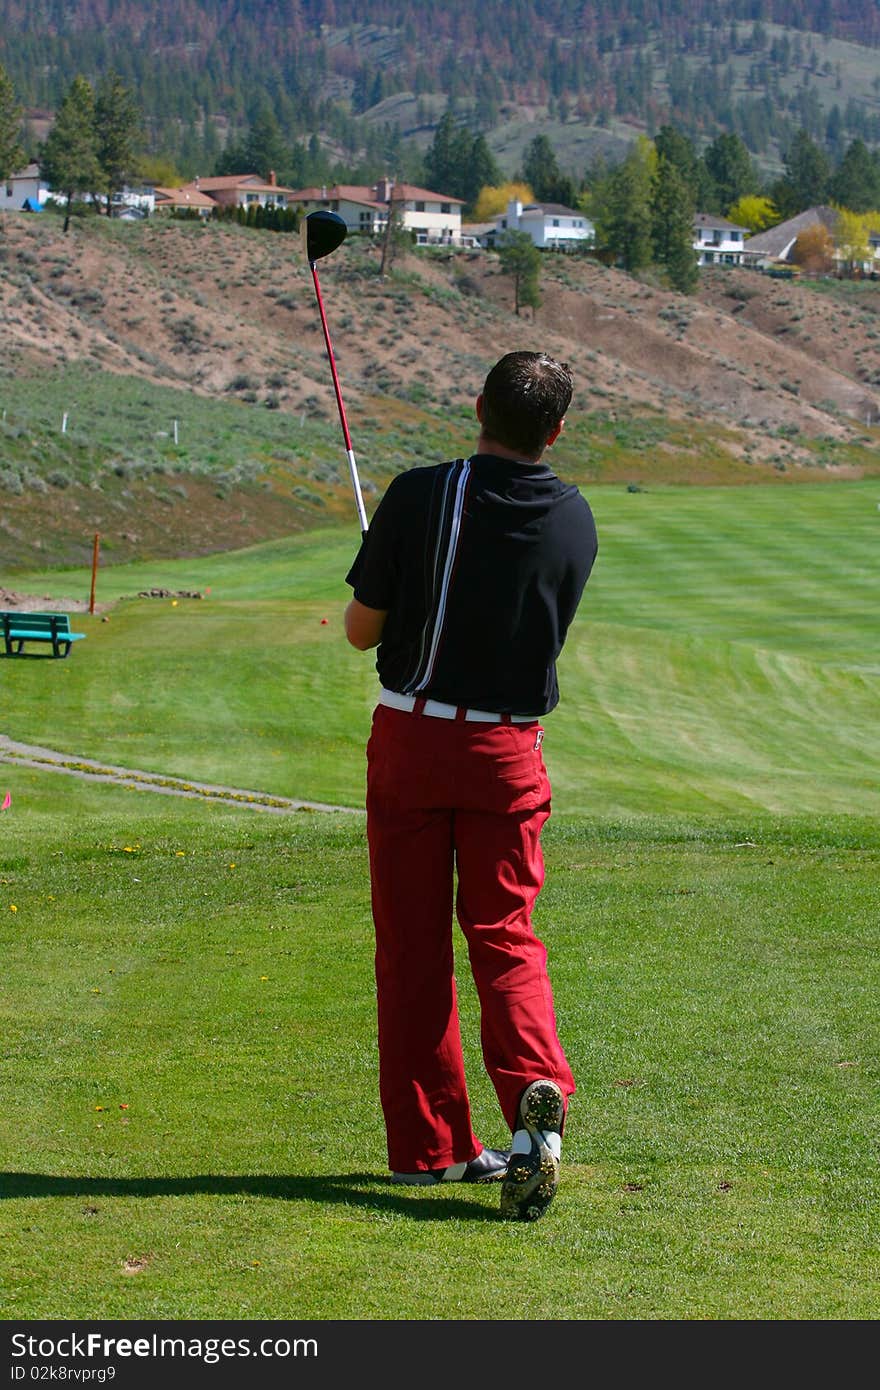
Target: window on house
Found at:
x=446, y=207
x=420, y=207
x=9, y=190
x=556, y=222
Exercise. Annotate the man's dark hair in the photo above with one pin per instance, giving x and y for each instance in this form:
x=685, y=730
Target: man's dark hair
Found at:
x=525, y=396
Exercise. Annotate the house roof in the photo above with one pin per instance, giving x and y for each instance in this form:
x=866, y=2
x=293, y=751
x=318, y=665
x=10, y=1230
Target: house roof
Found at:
x=551, y=209
x=187, y=197
x=777, y=240
x=720, y=224
x=222, y=182
x=410, y=192
x=30, y=171
x=361, y=193
x=339, y=192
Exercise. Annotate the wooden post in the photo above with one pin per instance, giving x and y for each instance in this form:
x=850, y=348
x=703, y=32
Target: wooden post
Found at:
x=94, y=572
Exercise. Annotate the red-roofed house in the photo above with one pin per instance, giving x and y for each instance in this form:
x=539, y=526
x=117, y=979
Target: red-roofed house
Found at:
x=186, y=199
x=244, y=190
x=433, y=218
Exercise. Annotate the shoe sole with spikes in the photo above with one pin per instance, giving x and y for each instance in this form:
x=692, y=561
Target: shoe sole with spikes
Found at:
x=533, y=1176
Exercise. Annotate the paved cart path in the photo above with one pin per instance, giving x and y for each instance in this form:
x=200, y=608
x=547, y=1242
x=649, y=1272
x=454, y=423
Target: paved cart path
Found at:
x=50, y=760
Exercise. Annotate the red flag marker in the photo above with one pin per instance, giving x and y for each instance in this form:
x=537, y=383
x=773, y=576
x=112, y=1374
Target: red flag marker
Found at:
x=7, y=802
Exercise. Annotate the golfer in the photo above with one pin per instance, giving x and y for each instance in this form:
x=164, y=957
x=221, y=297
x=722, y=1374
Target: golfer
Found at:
x=467, y=581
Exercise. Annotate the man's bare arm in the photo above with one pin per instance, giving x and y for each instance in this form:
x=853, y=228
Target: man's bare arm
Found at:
x=363, y=625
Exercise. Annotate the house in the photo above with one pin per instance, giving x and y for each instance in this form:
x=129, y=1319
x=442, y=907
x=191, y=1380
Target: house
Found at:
x=550, y=225
x=776, y=245
x=717, y=241
x=355, y=204
x=132, y=204
x=25, y=186
x=243, y=190
x=433, y=218
x=186, y=199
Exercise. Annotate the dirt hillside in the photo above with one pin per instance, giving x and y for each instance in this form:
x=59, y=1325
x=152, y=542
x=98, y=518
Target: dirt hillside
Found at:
x=771, y=376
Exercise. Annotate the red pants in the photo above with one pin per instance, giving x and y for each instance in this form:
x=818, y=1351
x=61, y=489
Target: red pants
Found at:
x=444, y=794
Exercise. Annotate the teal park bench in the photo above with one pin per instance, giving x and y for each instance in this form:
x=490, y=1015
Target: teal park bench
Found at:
x=19, y=628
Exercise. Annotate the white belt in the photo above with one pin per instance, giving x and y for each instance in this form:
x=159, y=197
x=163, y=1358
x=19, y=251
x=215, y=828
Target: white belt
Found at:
x=438, y=710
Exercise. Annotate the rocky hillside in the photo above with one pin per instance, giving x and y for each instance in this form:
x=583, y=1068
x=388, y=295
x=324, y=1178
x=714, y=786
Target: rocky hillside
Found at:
x=752, y=378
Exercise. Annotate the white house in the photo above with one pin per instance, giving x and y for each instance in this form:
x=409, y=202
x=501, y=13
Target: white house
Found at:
x=550, y=225
x=243, y=190
x=21, y=187
x=769, y=248
x=355, y=204
x=131, y=204
x=433, y=218
x=717, y=241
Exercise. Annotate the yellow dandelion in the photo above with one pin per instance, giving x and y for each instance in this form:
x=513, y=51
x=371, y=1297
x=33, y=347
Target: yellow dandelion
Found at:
x=12, y=907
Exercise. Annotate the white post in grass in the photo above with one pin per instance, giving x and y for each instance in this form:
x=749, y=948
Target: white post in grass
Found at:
x=175, y=431
x=64, y=423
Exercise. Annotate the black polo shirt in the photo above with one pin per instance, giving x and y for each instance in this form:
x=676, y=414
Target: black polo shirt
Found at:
x=481, y=564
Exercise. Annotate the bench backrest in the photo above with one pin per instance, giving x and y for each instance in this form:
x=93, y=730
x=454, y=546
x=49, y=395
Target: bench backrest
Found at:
x=50, y=623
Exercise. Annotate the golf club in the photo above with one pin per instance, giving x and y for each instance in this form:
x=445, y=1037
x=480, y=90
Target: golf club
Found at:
x=322, y=232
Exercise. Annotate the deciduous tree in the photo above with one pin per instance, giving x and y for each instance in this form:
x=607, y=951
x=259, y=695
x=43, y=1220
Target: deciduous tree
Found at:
x=814, y=250
x=754, y=212
x=852, y=239
x=494, y=199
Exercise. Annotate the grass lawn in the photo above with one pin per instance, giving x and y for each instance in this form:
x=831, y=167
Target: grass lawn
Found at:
x=191, y=1127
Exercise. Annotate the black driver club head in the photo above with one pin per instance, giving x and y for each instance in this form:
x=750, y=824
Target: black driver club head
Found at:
x=322, y=232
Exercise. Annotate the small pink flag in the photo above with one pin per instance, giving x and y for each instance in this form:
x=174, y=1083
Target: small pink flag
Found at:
x=7, y=802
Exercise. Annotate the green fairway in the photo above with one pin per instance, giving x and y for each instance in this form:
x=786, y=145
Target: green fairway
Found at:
x=190, y=1072
x=726, y=656
x=191, y=1126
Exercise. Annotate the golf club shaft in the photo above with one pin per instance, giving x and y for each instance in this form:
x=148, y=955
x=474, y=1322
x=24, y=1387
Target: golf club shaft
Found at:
x=352, y=462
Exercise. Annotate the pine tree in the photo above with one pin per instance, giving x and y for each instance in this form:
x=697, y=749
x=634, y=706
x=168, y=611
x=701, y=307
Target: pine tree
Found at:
x=11, y=152
x=264, y=148
x=622, y=209
x=69, y=154
x=521, y=259
x=672, y=227
x=807, y=174
x=118, y=129
x=855, y=183
x=730, y=168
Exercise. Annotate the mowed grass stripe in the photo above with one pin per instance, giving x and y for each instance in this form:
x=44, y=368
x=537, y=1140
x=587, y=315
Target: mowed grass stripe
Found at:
x=661, y=722
x=793, y=568
x=688, y=678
